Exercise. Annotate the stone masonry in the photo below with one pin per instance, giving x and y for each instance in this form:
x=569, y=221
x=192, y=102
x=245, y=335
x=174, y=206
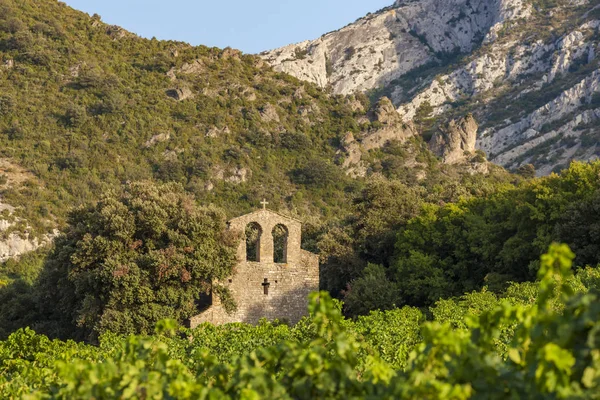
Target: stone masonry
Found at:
x=264, y=288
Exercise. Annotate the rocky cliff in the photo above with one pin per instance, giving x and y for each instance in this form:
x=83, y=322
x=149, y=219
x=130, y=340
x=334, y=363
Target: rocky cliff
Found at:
x=455, y=141
x=526, y=69
x=387, y=126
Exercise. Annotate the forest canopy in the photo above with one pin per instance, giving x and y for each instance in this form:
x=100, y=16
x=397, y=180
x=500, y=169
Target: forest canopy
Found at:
x=429, y=251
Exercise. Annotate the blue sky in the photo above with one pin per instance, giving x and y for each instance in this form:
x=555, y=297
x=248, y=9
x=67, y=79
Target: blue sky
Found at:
x=251, y=26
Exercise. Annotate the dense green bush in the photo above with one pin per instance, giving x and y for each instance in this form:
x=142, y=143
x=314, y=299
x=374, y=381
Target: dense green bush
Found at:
x=455, y=248
x=135, y=258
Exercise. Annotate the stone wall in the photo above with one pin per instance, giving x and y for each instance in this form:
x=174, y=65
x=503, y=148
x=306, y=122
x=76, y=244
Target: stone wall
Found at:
x=288, y=284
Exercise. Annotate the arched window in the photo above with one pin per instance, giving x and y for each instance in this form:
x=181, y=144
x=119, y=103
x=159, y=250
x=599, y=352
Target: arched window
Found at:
x=280, y=238
x=253, y=234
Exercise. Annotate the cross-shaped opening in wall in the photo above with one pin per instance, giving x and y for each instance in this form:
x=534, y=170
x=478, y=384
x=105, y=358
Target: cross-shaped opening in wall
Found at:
x=266, y=285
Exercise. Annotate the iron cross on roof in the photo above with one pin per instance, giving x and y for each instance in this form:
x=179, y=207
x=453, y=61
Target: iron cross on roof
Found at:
x=264, y=204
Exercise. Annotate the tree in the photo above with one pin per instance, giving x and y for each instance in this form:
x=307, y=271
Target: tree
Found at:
x=372, y=291
x=369, y=233
x=423, y=117
x=137, y=257
x=579, y=226
x=527, y=171
x=381, y=209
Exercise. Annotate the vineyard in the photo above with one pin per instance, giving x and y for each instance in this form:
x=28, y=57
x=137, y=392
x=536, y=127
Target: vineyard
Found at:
x=540, y=341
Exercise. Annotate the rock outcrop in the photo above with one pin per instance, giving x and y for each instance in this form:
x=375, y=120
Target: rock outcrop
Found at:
x=16, y=244
x=352, y=152
x=455, y=142
x=386, y=113
x=195, y=67
x=158, y=138
x=235, y=175
x=269, y=113
x=8, y=64
x=180, y=94
x=392, y=126
x=388, y=127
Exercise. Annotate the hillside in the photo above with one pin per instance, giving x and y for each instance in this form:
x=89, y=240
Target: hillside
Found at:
x=85, y=107
x=442, y=275
x=526, y=69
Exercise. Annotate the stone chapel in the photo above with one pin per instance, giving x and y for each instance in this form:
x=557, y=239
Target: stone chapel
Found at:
x=271, y=280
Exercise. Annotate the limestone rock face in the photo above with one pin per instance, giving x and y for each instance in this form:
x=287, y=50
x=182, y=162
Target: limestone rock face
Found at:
x=352, y=152
x=228, y=53
x=386, y=113
x=528, y=73
x=214, y=131
x=235, y=175
x=116, y=32
x=15, y=237
x=393, y=127
x=14, y=244
x=239, y=175
x=454, y=141
x=383, y=46
x=194, y=67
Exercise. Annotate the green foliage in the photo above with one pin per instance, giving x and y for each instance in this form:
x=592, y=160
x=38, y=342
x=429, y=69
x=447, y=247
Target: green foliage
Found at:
x=479, y=157
x=452, y=249
x=381, y=209
x=527, y=171
x=135, y=258
x=349, y=52
x=18, y=291
x=580, y=226
x=100, y=116
x=384, y=207
x=318, y=173
x=372, y=291
x=27, y=268
x=455, y=238
x=300, y=54
x=423, y=117
x=486, y=348
x=85, y=108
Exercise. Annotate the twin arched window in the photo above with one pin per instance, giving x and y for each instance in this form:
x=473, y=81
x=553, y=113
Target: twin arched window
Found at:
x=253, y=238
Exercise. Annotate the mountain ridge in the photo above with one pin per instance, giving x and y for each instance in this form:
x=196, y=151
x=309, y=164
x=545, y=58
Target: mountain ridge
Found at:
x=476, y=57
